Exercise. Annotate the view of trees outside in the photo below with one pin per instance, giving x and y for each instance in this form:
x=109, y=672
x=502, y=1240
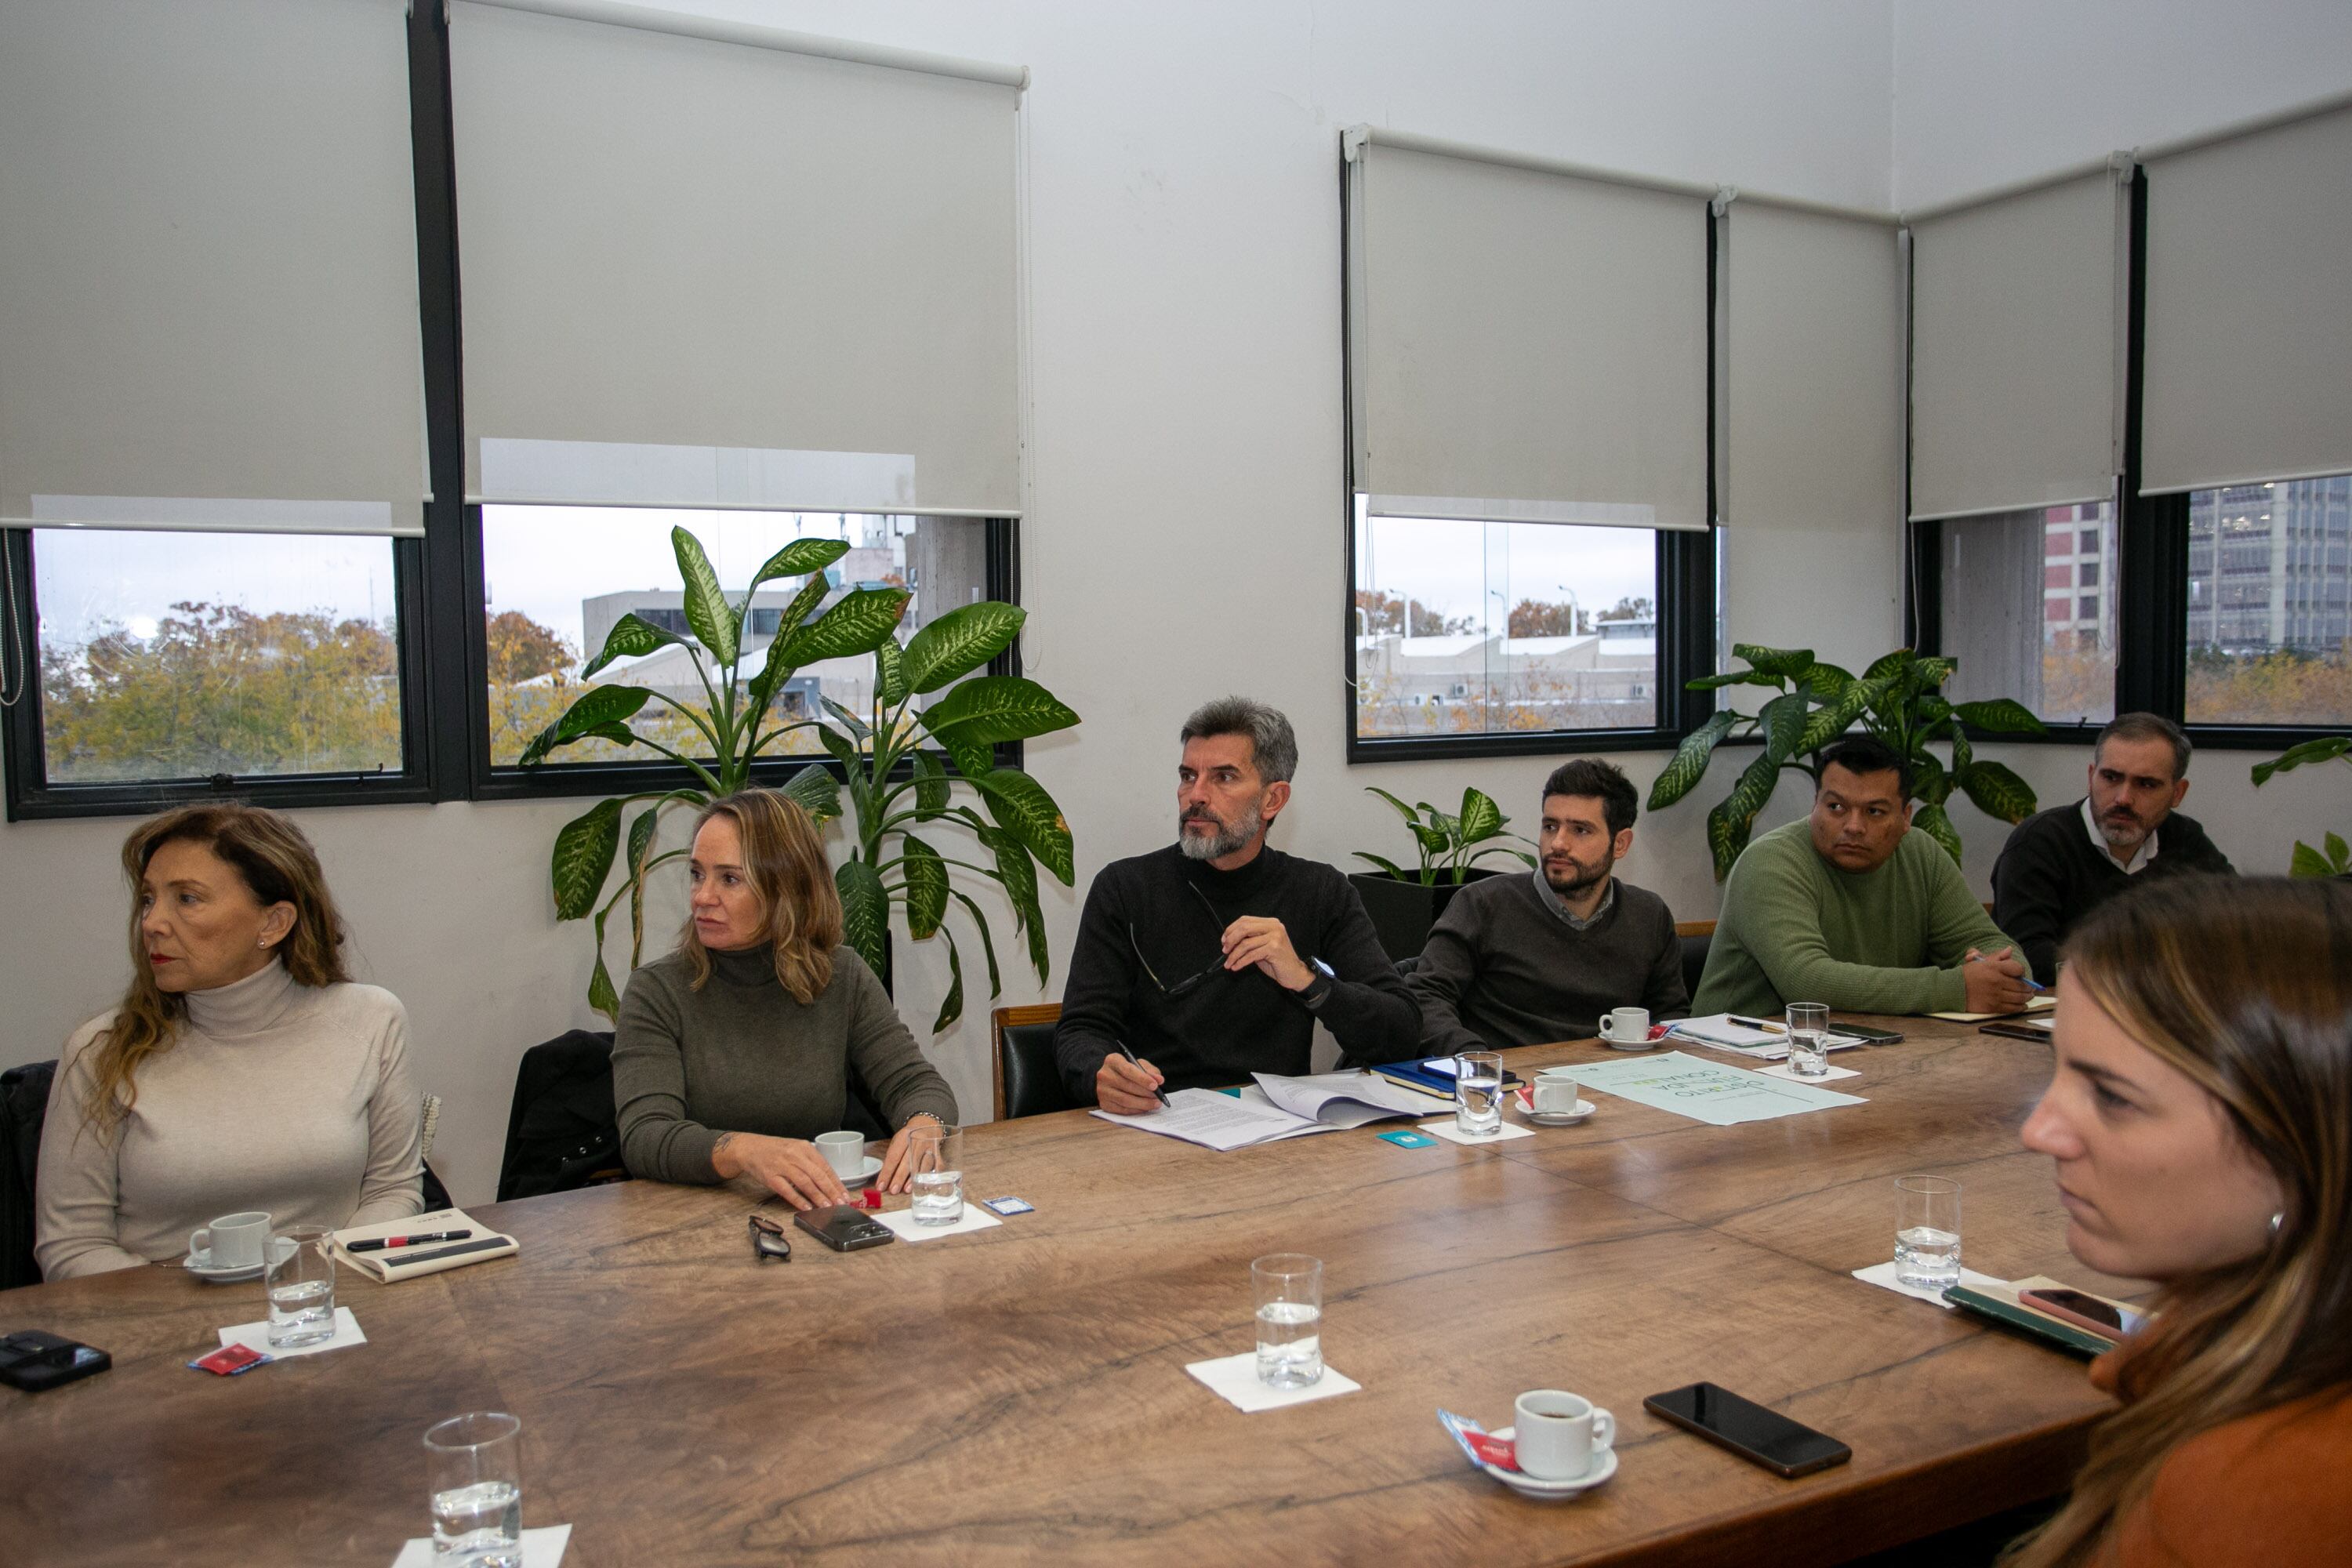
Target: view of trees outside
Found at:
x=2269, y=603
x=1490, y=627
x=172, y=656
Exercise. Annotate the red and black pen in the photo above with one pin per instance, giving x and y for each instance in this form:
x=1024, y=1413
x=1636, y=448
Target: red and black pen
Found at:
x=380, y=1243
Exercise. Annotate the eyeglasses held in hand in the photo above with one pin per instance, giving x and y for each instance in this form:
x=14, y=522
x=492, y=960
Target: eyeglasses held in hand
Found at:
x=1181, y=986
x=768, y=1240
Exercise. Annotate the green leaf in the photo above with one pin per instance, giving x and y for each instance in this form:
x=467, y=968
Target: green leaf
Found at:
x=987, y=942
x=777, y=666
x=1403, y=810
x=1481, y=818
x=601, y=994
x=1754, y=790
x=951, y=1004
x=1827, y=724
x=798, y=559
x=960, y=642
x=1930, y=711
x=841, y=749
x=2001, y=716
x=585, y=849
x=849, y=721
x=864, y=912
x=1022, y=808
x=889, y=674
x=1929, y=782
x=1963, y=753
x=927, y=887
x=1385, y=864
x=1780, y=662
x=2326, y=749
x=972, y=757
x=707, y=613
x=1932, y=820
x=2339, y=855
x=641, y=838
x=631, y=636
x=1433, y=841
x=1019, y=875
x=1997, y=792
x=1783, y=721
x=1733, y=678
x=597, y=707
x=1889, y=665
x=1681, y=775
x=1827, y=683
x=998, y=708
x=856, y=625
x=815, y=790
x=1726, y=836
x=931, y=793
x=1931, y=673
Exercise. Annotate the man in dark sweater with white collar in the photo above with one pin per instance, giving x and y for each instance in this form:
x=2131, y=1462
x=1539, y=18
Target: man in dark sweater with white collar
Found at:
x=1212, y=959
x=1522, y=961
x=2059, y=864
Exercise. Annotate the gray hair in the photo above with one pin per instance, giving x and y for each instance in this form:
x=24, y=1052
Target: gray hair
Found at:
x=2146, y=727
x=1274, y=749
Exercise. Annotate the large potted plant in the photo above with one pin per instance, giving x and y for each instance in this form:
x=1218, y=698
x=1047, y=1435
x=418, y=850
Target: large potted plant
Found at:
x=894, y=761
x=1403, y=905
x=1899, y=699
x=2333, y=857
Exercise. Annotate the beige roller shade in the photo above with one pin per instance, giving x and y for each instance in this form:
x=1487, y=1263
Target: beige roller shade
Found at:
x=208, y=308
x=2016, y=351
x=706, y=273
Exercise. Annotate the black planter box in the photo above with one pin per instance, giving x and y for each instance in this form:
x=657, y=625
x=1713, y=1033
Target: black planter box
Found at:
x=1402, y=912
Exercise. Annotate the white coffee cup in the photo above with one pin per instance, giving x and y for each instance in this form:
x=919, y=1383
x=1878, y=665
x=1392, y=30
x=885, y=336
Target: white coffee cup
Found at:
x=845, y=1151
x=232, y=1241
x=1555, y=1092
x=1557, y=1434
x=1626, y=1025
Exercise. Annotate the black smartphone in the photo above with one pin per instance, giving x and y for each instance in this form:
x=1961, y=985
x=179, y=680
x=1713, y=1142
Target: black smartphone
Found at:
x=1761, y=1436
x=844, y=1228
x=1868, y=1037
x=34, y=1361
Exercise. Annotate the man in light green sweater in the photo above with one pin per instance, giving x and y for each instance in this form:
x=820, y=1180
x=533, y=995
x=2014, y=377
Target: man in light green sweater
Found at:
x=1856, y=908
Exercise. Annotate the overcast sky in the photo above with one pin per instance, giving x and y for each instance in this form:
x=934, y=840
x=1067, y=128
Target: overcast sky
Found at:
x=1454, y=567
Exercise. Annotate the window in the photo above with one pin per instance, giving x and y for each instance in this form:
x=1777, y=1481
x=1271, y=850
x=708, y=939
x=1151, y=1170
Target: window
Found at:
x=1483, y=629
x=2269, y=611
x=2015, y=618
x=557, y=579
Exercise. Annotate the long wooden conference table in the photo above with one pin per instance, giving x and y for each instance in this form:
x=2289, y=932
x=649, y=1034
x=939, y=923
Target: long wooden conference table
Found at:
x=1019, y=1394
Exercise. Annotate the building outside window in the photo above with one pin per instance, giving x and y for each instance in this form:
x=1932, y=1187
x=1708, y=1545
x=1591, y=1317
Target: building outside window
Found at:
x=2026, y=611
x=2269, y=603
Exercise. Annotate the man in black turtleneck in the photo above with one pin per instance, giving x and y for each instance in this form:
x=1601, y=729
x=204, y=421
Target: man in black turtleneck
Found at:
x=1212, y=959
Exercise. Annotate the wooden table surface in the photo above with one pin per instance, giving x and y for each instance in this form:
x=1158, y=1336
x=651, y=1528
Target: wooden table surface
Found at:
x=998, y=1397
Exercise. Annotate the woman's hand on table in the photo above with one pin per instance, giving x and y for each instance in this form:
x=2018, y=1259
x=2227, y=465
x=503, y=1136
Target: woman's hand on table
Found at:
x=896, y=1172
x=791, y=1168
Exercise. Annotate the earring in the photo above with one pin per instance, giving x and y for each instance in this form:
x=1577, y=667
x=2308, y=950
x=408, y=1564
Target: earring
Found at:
x=2277, y=1220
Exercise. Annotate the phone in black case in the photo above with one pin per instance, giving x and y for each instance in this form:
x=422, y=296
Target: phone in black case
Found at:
x=1760, y=1436
x=33, y=1361
x=844, y=1228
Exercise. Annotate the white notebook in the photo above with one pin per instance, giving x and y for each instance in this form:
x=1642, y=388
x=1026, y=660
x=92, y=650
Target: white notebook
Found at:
x=393, y=1264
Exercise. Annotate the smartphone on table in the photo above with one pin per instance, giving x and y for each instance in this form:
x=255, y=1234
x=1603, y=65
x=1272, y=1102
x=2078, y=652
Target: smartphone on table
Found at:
x=2104, y=1319
x=844, y=1228
x=1760, y=1436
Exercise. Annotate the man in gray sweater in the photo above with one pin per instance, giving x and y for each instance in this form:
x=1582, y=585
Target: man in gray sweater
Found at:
x=1523, y=961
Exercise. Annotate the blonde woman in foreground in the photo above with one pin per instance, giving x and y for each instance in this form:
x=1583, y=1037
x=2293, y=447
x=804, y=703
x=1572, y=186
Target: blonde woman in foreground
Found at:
x=242, y=1071
x=2201, y=1122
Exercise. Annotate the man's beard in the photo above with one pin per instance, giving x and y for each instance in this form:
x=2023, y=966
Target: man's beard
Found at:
x=1228, y=837
x=2123, y=833
x=1579, y=879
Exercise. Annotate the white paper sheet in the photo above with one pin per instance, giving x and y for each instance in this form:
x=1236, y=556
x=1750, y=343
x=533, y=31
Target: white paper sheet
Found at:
x=1716, y=1032
x=542, y=1547
x=1783, y=1070
x=1706, y=1091
x=256, y=1336
x=1235, y=1380
x=1220, y=1121
x=1883, y=1276
x=902, y=1221
x=1341, y=1098
x=1443, y=1127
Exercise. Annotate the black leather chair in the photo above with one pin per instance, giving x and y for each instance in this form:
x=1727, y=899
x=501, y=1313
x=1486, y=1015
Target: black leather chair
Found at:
x=560, y=1132
x=1028, y=1079
x=1696, y=937
x=24, y=1106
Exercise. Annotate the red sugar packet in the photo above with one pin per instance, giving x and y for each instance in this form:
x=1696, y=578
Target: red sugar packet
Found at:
x=230, y=1360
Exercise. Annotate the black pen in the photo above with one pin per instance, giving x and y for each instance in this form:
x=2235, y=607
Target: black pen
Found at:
x=379, y=1244
x=1130, y=1056
x=1769, y=1028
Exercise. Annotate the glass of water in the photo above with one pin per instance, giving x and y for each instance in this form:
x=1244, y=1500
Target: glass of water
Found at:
x=935, y=1173
x=473, y=1476
x=1808, y=1039
x=1478, y=1093
x=300, y=1272
x=1288, y=1287
x=1927, y=1232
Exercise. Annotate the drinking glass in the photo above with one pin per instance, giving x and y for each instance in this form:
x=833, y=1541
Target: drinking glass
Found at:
x=300, y=1273
x=1288, y=1287
x=1478, y=1093
x=935, y=1173
x=1808, y=1039
x=1927, y=1232
x=473, y=1479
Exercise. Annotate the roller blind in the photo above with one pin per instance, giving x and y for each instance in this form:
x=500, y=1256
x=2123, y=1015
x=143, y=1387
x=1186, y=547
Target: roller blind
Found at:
x=1525, y=345
x=2017, y=350
x=2248, y=360
x=705, y=273
x=208, y=244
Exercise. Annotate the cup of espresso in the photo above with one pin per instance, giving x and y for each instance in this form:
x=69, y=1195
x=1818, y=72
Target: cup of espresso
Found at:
x=1626, y=1026
x=1555, y=1091
x=232, y=1241
x=1558, y=1435
x=845, y=1151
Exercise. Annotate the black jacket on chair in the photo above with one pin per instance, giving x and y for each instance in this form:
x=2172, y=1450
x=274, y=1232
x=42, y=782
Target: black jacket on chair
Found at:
x=24, y=1106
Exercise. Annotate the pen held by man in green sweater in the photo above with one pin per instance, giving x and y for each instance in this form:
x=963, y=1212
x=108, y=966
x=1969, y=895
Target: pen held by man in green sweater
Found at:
x=1854, y=908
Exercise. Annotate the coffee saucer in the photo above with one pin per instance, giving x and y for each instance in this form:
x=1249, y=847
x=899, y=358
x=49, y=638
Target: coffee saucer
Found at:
x=1603, y=1467
x=1584, y=1108
x=864, y=1172
x=200, y=1264
x=1614, y=1044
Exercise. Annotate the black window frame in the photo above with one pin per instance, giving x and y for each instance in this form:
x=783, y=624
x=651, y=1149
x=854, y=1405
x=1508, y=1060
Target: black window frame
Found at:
x=439, y=582
x=1685, y=577
x=2150, y=585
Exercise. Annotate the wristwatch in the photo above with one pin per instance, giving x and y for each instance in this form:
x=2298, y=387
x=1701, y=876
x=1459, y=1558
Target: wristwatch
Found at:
x=1318, y=989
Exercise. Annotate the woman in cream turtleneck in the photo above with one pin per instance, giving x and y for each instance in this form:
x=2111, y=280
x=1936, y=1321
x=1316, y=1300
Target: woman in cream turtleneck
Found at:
x=242, y=1069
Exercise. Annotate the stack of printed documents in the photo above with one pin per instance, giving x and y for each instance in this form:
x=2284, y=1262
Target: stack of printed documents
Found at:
x=1275, y=1107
